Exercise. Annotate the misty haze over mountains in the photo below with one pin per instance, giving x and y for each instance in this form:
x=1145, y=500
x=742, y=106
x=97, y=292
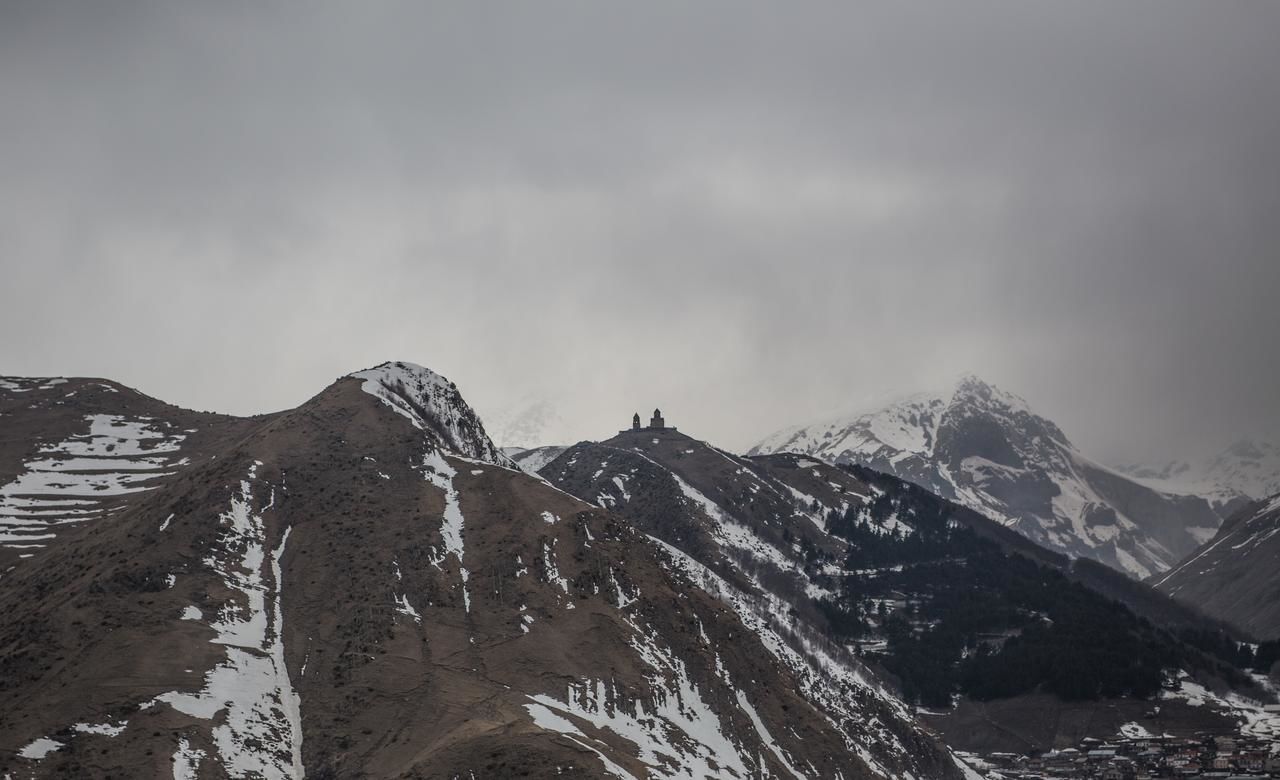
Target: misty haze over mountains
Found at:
x=1240, y=466
x=988, y=449
x=368, y=585
x=959, y=320
x=814, y=206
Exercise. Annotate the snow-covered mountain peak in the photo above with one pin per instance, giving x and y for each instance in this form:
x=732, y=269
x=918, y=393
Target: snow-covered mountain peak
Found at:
x=1248, y=466
x=433, y=404
x=970, y=389
x=1246, y=470
x=909, y=424
x=972, y=385
x=984, y=447
x=974, y=396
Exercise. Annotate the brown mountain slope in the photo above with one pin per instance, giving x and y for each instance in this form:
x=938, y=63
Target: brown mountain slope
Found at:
x=1235, y=575
x=747, y=531
x=73, y=451
x=362, y=587
x=808, y=550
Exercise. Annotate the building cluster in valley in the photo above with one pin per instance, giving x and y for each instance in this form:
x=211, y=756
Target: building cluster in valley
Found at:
x=1143, y=757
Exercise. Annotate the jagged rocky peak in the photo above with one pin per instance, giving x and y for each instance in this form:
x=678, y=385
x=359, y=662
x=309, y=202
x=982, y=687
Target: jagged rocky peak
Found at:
x=970, y=391
x=433, y=404
x=973, y=394
x=985, y=421
x=985, y=447
x=973, y=385
x=918, y=423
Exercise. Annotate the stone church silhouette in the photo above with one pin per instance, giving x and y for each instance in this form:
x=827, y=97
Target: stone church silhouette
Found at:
x=655, y=424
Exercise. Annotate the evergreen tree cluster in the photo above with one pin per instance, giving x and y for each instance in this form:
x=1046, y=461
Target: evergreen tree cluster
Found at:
x=970, y=617
x=1260, y=658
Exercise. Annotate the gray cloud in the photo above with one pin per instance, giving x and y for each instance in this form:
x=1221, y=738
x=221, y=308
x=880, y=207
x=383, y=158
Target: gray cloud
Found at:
x=747, y=213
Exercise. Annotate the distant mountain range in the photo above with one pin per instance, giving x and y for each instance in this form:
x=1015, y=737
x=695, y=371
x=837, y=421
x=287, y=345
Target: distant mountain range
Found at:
x=1247, y=469
x=986, y=449
x=533, y=459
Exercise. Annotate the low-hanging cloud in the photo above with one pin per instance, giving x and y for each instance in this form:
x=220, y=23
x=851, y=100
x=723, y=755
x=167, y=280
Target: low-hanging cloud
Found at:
x=747, y=213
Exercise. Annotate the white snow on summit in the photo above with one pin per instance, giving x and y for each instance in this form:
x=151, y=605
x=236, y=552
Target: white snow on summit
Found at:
x=433, y=404
x=986, y=449
x=1247, y=469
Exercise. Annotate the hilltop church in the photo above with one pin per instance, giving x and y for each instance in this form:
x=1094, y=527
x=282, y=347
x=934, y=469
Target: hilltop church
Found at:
x=655, y=424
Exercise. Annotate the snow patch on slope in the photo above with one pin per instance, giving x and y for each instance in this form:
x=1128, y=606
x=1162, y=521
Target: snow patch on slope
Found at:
x=678, y=735
x=439, y=473
x=1255, y=720
x=40, y=748
x=85, y=477
x=15, y=384
x=731, y=533
x=433, y=404
x=261, y=732
x=834, y=684
x=186, y=761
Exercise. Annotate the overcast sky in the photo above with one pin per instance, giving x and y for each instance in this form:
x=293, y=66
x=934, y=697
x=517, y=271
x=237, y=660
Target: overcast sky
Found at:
x=751, y=214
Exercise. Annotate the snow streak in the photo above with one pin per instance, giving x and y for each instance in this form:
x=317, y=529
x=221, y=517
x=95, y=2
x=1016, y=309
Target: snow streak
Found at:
x=439, y=473
x=261, y=732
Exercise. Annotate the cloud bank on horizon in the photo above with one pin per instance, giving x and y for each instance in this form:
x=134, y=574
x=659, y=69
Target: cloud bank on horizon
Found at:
x=746, y=213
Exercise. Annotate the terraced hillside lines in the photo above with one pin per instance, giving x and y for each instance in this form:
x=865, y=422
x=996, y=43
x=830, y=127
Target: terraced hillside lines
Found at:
x=86, y=477
x=75, y=454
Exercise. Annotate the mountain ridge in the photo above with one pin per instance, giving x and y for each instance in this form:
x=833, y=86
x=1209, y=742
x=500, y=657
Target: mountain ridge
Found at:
x=344, y=589
x=987, y=449
x=1233, y=575
x=1247, y=470
x=775, y=533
